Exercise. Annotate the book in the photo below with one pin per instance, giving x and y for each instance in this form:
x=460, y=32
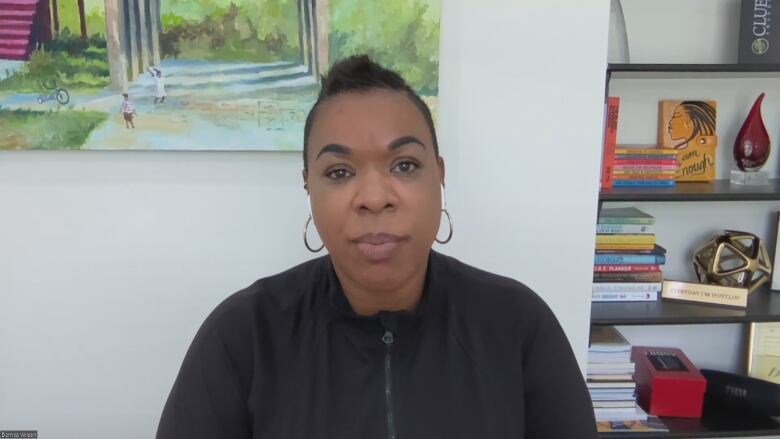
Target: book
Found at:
x=624, y=238
x=629, y=229
x=624, y=215
x=597, y=367
x=609, y=377
x=652, y=276
x=634, y=296
x=626, y=268
x=656, y=250
x=610, y=139
x=607, y=339
x=611, y=247
x=620, y=163
x=620, y=415
x=626, y=287
x=626, y=403
x=611, y=385
x=645, y=169
x=757, y=40
x=650, y=425
x=628, y=259
x=646, y=151
x=639, y=174
x=643, y=183
x=621, y=157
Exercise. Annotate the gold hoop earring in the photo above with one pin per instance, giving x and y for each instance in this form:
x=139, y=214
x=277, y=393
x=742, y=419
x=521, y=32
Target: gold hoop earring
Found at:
x=305, y=239
x=449, y=220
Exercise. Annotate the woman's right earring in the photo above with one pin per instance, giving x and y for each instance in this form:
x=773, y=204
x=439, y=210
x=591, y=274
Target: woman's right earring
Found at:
x=305, y=237
x=449, y=221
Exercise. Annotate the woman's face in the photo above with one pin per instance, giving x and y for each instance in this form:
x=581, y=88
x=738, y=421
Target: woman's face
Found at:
x=374, y=183
x=680, y=126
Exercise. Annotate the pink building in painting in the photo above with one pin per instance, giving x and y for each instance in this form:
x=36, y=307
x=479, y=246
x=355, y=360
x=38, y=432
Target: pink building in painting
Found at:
x=24, y=24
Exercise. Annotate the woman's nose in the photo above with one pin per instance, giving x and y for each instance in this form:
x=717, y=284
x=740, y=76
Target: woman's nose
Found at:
x=375, y=193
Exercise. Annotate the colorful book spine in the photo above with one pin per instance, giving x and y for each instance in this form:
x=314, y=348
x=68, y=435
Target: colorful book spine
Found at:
x=610, y=140
x=617, y=247
x=612, y=259
x=625, y=239
x=624, y=228
x=670, y=171
x=625, y=287
x=619, y=157
x=655, y=176
x=626, y=268
x=637, y=296
x=626, y=220
x=652, y=276
x=646, y=151
x=643, y=183
x=620, y=163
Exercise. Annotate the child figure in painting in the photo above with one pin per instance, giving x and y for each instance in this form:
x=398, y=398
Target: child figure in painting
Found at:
x=128, y=111
x=159, y=85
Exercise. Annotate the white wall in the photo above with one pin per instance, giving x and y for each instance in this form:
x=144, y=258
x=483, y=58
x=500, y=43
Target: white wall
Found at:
x=109, y=261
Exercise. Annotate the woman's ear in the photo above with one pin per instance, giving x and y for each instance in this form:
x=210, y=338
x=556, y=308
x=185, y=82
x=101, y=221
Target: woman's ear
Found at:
x=305, y=175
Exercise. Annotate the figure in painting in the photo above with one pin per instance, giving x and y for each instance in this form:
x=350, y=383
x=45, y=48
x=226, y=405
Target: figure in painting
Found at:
x=691, y=120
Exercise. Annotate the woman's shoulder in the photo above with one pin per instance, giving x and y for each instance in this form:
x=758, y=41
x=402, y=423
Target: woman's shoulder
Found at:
x=470, y=286
x=272, y=294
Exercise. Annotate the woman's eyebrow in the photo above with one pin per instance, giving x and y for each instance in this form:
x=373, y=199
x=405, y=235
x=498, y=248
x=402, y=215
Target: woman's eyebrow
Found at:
x=334, y=148
x=405, y=140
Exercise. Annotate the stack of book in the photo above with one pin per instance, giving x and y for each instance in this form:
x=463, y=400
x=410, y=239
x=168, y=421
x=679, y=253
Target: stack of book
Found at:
x=628, y=261
x=610, y=380
x=610, y=376
x=644, y=167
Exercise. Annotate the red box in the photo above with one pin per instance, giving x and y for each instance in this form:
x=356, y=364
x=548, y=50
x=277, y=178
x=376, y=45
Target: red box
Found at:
x=667, y=383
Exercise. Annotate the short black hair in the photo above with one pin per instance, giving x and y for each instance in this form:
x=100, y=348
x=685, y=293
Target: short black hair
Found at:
x=359, y=73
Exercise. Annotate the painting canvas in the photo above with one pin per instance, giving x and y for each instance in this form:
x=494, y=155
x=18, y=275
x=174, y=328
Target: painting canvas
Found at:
x=192, y=74
x=691, y=127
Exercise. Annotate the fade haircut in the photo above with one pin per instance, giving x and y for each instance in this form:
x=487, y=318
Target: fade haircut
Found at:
x=360, y=74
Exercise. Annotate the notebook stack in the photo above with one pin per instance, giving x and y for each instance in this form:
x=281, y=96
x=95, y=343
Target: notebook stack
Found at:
x=644, y=167
x=612, y=387
x=610, y=377
x=628, y=261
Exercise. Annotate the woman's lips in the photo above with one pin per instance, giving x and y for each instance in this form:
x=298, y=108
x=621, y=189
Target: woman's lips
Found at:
x=378, y=247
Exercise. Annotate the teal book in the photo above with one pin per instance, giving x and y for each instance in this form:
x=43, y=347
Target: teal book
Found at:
x=625, y=215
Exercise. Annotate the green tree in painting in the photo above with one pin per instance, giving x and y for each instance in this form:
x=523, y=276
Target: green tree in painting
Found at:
x=231, y=30
x=400, y=34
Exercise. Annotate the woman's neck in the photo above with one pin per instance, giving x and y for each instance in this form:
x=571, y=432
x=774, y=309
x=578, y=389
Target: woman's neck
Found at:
x=367, y=301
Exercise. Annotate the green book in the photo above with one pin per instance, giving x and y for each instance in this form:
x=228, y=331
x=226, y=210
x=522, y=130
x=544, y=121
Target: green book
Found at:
x=625, y=215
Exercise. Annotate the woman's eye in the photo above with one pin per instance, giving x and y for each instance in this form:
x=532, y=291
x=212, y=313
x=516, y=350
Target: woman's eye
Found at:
x=405, y=167
x=338, y=174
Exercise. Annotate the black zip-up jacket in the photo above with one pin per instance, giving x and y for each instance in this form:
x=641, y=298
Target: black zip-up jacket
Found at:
x=482, y=356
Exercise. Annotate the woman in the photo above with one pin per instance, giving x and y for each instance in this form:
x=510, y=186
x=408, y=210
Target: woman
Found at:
x=382, y=338
x=691, y=120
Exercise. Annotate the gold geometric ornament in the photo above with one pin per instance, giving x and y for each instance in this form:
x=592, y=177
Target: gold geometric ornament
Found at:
x=733, y=259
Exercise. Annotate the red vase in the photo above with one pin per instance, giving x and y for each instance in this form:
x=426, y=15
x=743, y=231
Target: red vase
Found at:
x=751, y=149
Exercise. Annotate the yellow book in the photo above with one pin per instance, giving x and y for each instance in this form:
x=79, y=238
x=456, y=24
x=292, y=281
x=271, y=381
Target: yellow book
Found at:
x=625, y=246
x=645, y=151
x=626, y=239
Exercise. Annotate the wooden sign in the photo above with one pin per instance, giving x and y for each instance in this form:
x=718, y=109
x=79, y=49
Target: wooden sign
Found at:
x=689, y=128
x=705, y=293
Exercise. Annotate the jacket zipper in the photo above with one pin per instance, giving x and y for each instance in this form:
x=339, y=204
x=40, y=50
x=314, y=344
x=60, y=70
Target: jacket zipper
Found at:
x=388, y=339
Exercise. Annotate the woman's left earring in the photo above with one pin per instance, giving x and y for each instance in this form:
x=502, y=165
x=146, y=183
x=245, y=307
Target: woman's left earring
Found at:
x=306, y=239
x=449, y=218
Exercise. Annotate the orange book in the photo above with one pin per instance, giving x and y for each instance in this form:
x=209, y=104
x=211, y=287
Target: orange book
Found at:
x=610, y=140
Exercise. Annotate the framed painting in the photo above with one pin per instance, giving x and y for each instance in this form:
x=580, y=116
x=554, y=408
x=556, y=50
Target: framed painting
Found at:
x=192, y=74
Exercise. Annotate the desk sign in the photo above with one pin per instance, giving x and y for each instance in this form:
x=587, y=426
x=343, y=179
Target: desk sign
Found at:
x=705, y=293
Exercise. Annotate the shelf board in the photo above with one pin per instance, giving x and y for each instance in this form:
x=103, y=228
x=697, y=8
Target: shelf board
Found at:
x=693, y=70
x=763, y=306
x=716, y=421
x=719, y=190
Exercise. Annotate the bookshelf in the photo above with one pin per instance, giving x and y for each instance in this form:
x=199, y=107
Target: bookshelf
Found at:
x=763, y=305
